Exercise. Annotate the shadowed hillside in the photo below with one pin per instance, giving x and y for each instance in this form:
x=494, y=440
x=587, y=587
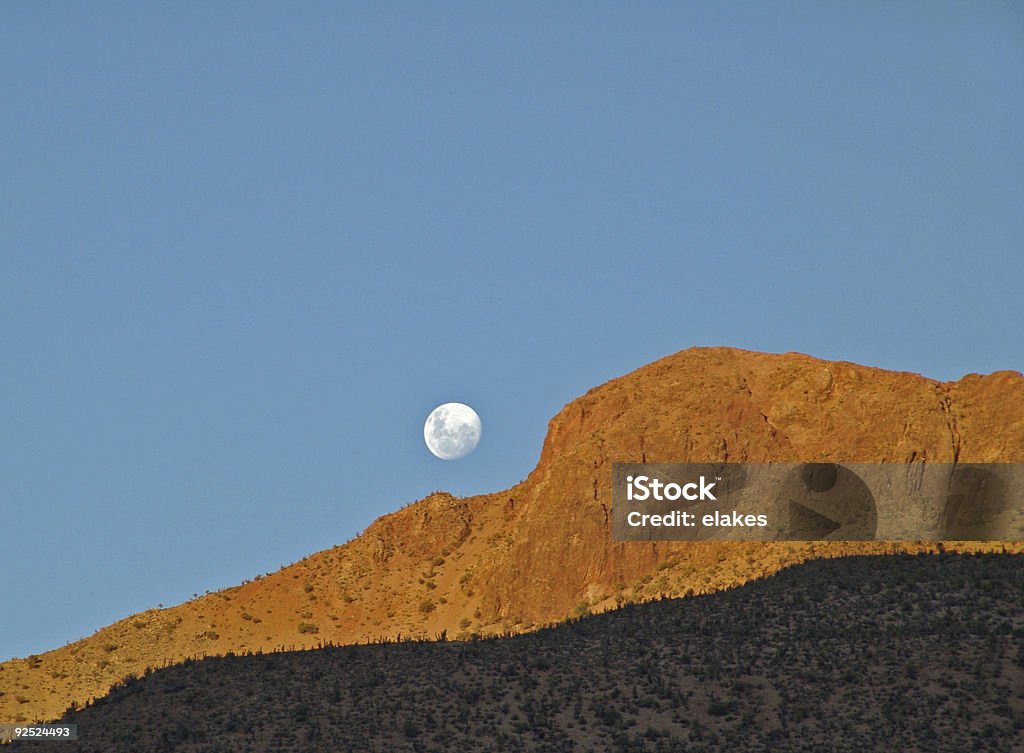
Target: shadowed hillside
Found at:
x=909, y=653
x=541, y=551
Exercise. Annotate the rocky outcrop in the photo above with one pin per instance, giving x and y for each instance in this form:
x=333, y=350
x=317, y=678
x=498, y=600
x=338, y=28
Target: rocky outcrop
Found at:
x=542, y=551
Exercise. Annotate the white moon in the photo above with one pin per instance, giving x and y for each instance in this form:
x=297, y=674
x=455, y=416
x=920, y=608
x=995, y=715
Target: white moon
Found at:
x=452, y=431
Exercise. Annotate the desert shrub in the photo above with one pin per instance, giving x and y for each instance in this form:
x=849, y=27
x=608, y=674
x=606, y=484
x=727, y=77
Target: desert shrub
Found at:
x=720, y=708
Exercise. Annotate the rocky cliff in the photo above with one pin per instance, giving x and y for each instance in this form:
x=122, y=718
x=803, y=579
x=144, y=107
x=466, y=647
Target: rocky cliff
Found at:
x=541, y=551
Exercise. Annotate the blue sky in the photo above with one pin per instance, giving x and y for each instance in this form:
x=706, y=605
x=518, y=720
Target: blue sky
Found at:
x=246, y=248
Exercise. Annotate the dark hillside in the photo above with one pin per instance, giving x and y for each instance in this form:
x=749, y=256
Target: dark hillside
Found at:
x=889, y=653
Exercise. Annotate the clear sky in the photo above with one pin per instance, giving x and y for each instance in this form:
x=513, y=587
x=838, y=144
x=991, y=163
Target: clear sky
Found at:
x=246, y=248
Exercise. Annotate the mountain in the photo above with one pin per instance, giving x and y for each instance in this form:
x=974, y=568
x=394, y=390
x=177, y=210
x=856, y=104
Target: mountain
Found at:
x=541, y=552
x=908, y=653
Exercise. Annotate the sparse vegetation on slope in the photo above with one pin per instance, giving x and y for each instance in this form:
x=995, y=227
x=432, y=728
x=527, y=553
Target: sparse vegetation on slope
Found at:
x=854, y=654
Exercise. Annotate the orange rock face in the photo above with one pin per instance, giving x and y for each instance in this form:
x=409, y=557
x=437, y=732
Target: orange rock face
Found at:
x=542, y=551
x=727, y=405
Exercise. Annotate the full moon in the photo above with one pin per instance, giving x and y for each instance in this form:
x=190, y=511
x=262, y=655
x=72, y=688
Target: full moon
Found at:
x=452, y=431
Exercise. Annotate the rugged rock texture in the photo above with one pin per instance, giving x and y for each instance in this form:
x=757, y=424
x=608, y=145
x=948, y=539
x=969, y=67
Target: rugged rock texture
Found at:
x=898, y=653
x=542, y=551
